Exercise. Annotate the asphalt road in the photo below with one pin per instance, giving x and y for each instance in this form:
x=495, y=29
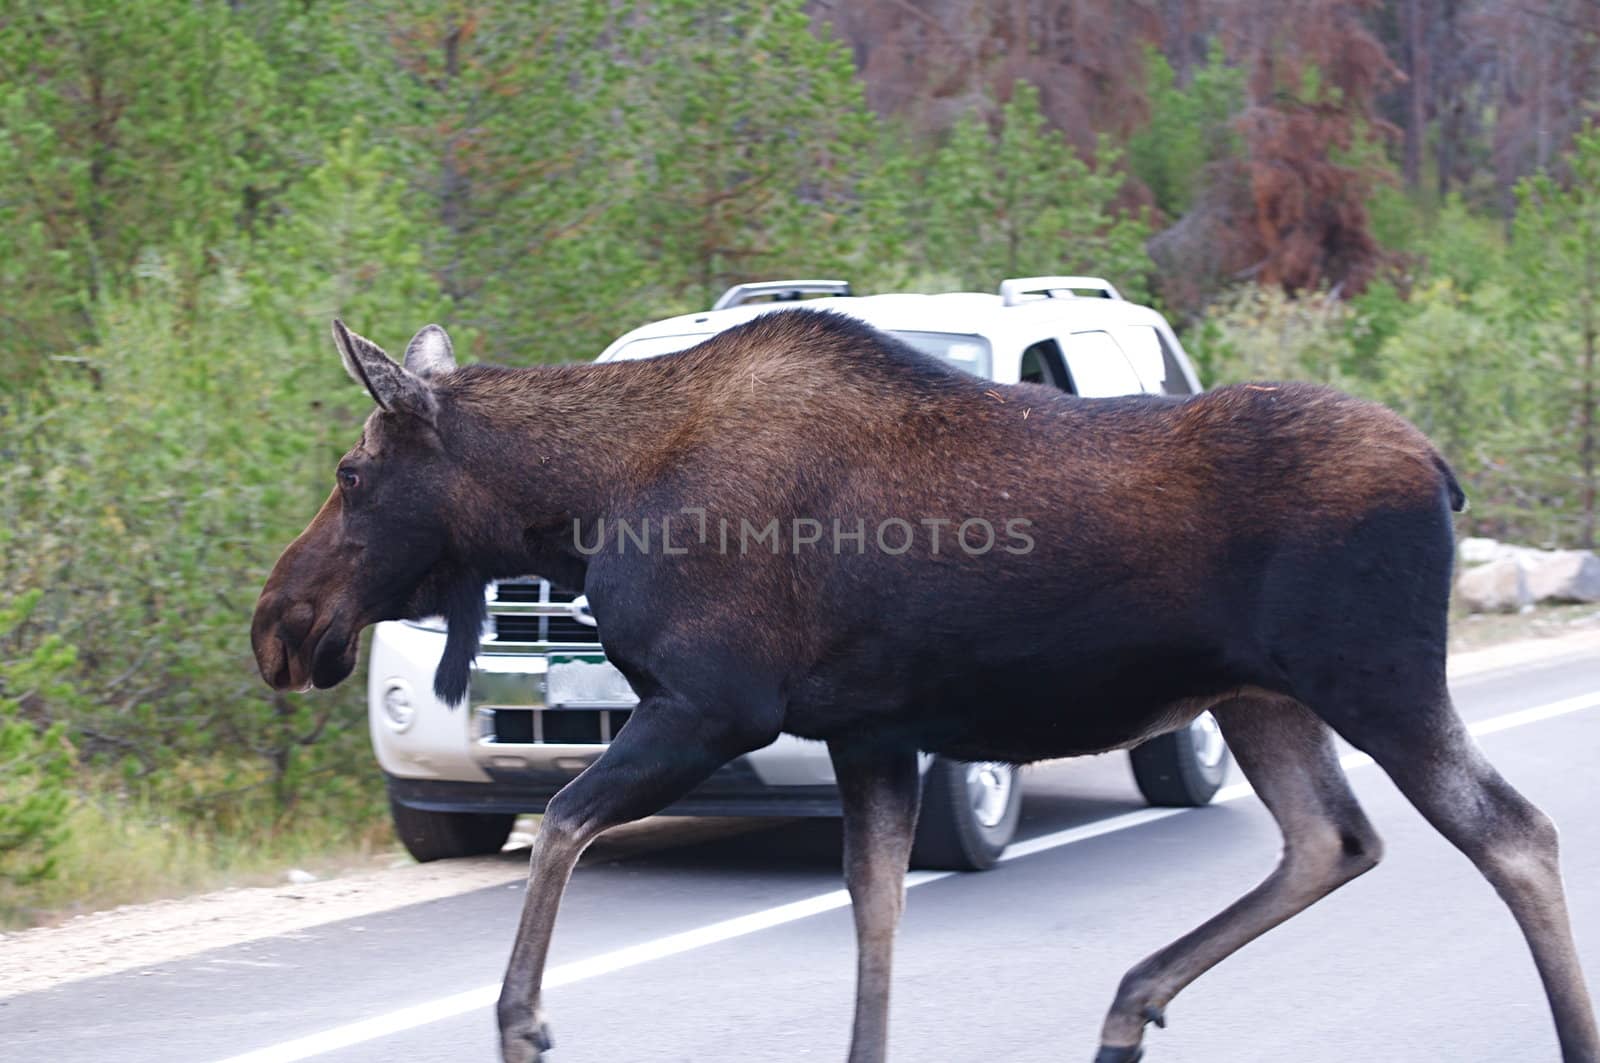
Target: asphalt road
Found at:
x=1416, y=961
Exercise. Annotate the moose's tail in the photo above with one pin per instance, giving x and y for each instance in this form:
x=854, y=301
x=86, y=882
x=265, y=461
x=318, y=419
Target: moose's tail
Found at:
x=1458, y=497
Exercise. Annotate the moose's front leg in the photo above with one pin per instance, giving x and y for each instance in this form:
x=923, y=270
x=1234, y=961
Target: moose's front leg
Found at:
x=880, y=790
x=667, y=748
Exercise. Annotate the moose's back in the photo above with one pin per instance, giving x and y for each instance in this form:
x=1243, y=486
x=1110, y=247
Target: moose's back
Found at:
x=1014, y=573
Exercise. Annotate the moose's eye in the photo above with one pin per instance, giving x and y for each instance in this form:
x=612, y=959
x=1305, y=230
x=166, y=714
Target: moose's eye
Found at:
x=349, y=479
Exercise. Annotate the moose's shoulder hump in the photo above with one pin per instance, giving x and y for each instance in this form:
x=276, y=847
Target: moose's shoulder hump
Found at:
x=825, y=342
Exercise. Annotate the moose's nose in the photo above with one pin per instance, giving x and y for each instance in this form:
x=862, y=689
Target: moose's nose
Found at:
x=277, y=632
x=295, y=624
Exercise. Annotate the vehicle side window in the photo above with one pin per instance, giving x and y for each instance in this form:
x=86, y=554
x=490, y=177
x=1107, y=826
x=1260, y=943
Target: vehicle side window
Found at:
x=1098, y=366
x=1152, y=359
x=1042, y=364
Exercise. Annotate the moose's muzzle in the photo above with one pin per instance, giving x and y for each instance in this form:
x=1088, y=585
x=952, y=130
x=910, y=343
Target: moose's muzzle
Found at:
x=297, y=649
x=303, y=632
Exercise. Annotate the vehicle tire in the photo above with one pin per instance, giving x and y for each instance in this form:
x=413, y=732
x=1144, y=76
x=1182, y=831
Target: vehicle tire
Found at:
x=1184, y=768
x=446, y=835
x=969, y=815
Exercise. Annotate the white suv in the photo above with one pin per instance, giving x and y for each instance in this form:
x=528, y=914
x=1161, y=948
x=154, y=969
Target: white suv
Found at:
x=543, y=701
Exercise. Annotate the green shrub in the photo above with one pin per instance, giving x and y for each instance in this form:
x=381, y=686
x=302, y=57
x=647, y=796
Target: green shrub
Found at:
x=1260, y=333
x=36, y=760
x=150, y=486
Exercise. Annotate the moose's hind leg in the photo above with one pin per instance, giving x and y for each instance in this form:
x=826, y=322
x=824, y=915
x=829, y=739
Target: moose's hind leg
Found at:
x=1436, y=763
x=1288, y=756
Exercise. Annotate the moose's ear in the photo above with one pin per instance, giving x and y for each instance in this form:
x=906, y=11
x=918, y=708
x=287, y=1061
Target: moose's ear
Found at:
x=395, y=389
x=430, y=352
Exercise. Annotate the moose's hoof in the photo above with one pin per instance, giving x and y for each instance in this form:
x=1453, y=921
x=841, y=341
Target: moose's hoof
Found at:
x=526, y=1045
x=1119, y=1054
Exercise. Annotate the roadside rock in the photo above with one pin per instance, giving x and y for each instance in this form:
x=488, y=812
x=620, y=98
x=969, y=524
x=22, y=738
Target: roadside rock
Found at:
x=1481, y=551
x=1497, y=587
x=296, y=877
x=1503, y=578
x=1563, y=576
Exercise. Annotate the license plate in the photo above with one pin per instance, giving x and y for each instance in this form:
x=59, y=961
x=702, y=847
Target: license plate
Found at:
x=586, y=681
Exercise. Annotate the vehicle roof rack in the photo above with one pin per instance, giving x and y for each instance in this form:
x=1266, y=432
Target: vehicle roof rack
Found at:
x=1023, y=289
x=778, y=291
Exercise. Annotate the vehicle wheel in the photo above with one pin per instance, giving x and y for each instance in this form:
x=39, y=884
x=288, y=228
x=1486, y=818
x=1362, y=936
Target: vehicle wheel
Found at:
x=1184, y=768
x=969, y=815
x=446, y=835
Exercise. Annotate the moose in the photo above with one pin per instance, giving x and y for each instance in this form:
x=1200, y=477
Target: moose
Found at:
x=1278, y=554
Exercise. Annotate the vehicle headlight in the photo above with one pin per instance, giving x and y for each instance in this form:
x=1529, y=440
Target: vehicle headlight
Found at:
x=398, y=711
x=429, y=623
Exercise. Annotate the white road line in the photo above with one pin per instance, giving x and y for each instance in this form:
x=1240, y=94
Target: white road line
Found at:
x=1537, y=714
x=413, y=1016
x=1072, y=835
x=565, y=974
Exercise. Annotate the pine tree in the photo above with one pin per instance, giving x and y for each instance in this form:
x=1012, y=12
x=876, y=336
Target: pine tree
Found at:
x=1190, y=128
x=129, y=124
x=503, y=115
x=751, y=135
x=1558, y=234
x=1017, y=200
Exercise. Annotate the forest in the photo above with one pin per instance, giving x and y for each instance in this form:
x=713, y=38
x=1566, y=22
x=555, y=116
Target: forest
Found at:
x=1397, y=197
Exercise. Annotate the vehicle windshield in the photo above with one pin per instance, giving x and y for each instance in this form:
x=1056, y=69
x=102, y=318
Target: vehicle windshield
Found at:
x=651, y=346
x=970, y=354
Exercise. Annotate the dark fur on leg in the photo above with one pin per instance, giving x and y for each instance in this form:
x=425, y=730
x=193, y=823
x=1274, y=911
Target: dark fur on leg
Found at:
x=1288, y=755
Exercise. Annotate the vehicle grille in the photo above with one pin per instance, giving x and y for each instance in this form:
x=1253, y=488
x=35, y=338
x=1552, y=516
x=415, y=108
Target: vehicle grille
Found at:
x=566, y=629
x=518, y=629
x=553, y=624
x=579, y=727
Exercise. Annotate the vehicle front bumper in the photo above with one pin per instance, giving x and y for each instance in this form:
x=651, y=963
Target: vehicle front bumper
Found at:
x=730, y=792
